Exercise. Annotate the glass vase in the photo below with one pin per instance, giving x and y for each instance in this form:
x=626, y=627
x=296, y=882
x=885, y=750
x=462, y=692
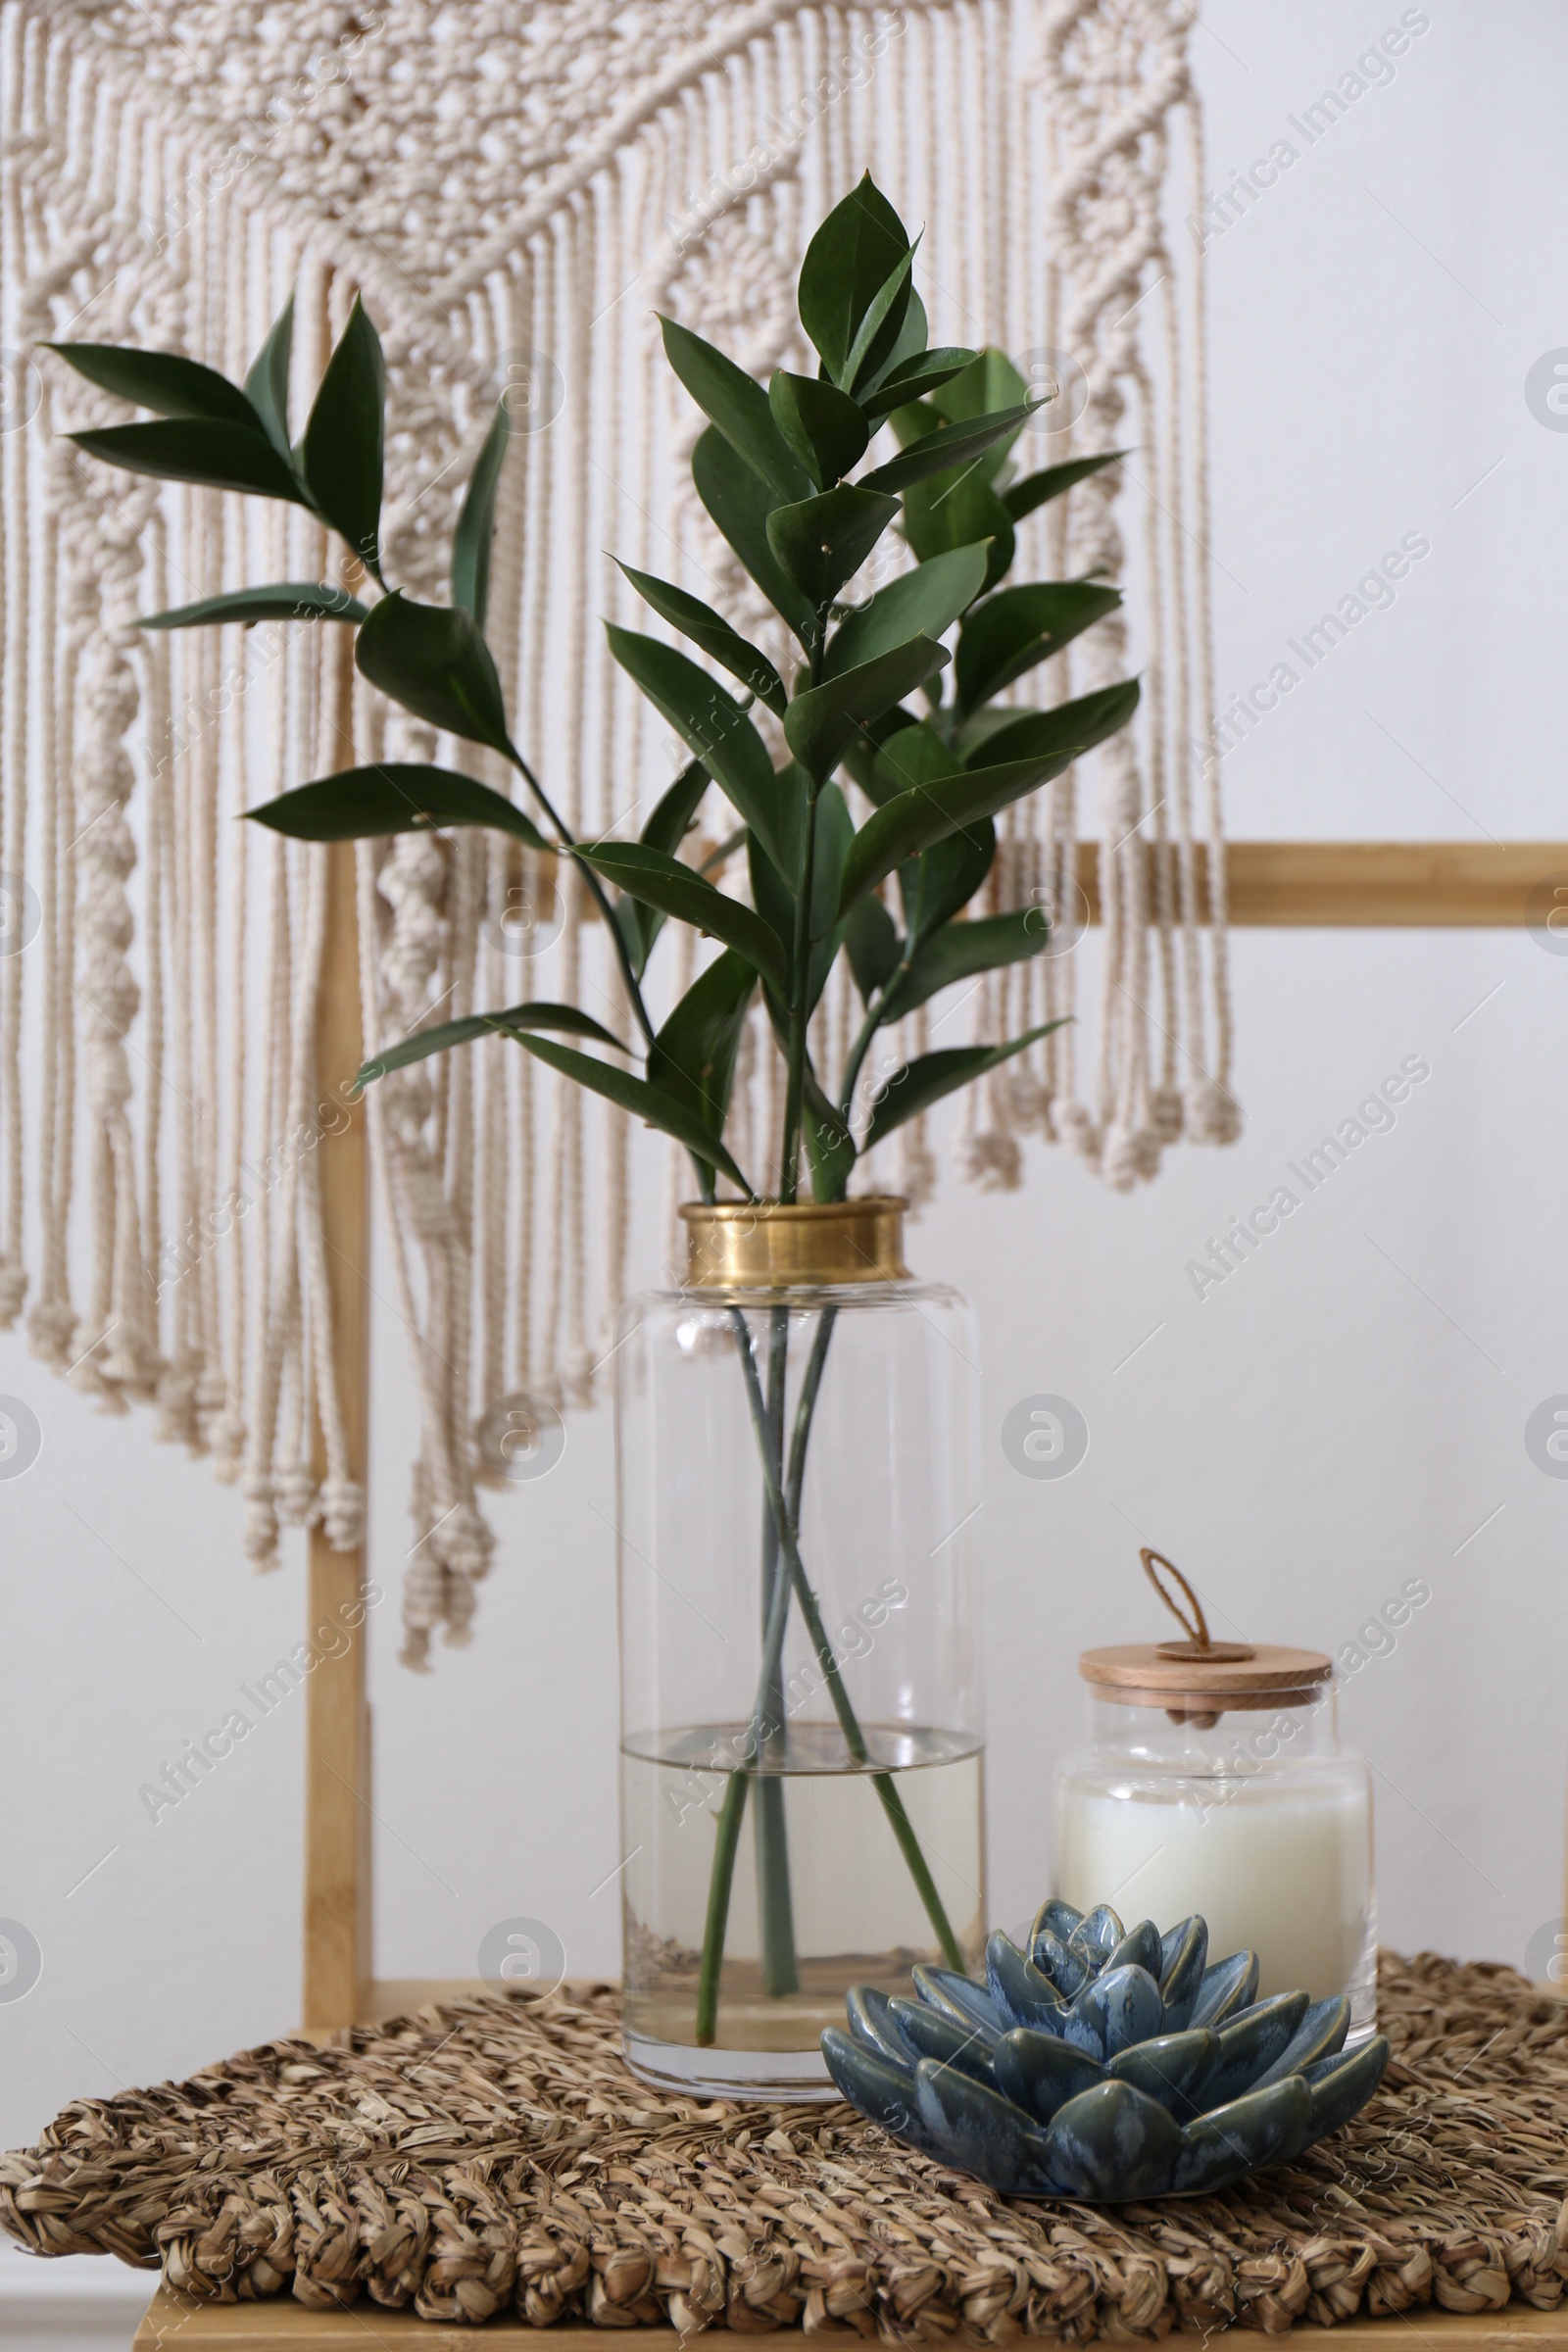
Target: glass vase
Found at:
x=802, y=1755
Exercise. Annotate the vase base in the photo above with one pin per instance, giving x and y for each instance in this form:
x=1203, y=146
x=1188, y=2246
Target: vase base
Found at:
x=767, y=2076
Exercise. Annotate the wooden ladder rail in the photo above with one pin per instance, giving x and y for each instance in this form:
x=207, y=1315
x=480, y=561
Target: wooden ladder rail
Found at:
x=338, y=1852
x=1277, y=885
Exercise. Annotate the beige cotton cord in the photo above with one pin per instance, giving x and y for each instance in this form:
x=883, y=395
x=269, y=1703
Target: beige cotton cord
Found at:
x=159, y=1199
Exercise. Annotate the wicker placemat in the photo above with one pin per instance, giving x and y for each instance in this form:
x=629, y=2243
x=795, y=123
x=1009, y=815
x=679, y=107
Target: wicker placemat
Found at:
x=497, y=2155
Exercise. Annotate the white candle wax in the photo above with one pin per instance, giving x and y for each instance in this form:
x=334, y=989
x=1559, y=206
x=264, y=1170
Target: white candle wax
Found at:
x=1285, y=1874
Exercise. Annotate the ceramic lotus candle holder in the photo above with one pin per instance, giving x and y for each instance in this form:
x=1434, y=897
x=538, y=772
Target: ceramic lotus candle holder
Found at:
x=1103, y=2064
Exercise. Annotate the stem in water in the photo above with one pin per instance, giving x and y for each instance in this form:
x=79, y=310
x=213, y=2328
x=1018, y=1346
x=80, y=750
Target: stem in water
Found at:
x=775, y=1909
x=786, y=1523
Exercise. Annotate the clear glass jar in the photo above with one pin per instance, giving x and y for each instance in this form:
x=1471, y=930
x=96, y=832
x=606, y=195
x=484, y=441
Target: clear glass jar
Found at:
x=1240, y=1804
x=802, y=1757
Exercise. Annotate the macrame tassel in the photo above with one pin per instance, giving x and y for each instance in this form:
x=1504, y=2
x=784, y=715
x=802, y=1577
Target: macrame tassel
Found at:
x=178, y=967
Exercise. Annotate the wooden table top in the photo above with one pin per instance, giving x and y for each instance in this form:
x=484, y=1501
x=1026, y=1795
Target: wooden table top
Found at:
x=175, y=2323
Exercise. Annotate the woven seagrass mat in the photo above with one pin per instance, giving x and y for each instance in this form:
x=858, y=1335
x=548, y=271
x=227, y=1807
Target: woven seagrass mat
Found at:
x=497, y=2155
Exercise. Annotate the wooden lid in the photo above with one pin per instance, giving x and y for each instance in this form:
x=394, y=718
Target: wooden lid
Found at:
x=1150, y=1674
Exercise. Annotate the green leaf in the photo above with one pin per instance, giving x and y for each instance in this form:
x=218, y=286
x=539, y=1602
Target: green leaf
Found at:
x=822, y=542
x=738, y=405
x=915, y=378
x=880, y=328
x=861, y=757
x=925, y=602
x=164, y=381
x=846, y=264
x=654, y=1105
x=773, y=896
x=1021, y=498
x=989, y=382
x=913, y=420
x=959, y=951
x=425, y=1041
x=955, y=511
x=693, y=1057
x=635, y=924
x=667, y=828
x=914, y=754
x=266, y=385
x=970, y=736
x=921, y=1083
x=197, y=448
x=905, y=826
x=360, y=803
x=1017, y=627
x=471, y=541
x=1060, y=735
x=908, y=345
x=822, y=426
x=835, y=837
x=739, y=503
x=713, y=725
x=948, y=447
x=341, y=453
x=871, y=938
x=674, y=889
x=829, y=1142
x=280, y=600
x=708, y=629
x=433, y=660
x=821, y=720
x=943, y=878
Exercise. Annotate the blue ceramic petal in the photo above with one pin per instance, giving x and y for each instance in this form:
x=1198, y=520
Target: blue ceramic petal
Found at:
x=962, y=1999
x=1019, y=1990
x=1096, y=1934
x=1176, y=1944
x=1266, y=2127
x=1068, y=1971
x=874, y=2025
x=1229, y=1984
x=930, y=2034
x=1320, y=2034
x=1112, y=2142
x=1039, y=2073
x=1139, y=1947
x=982, y=2131
x=1338, y=2086
x=885, y=2093
x=1184, y=1956
x=1055, y=1918
x=1172, y=2068
x=1102, y=2096
x=1250, y=2044
x=1121, y=2006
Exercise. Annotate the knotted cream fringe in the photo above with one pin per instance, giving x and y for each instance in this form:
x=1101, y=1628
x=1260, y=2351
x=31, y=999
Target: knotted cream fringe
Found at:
x=173, y=1249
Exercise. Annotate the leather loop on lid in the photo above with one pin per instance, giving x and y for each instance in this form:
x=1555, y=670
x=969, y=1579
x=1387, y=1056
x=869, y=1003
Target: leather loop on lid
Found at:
x=1200, y=1677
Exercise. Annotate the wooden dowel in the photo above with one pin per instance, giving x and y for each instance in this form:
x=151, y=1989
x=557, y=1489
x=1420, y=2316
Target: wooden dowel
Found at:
x=1370, y=885
x=1283, y=885
x=337, y=1791
x=1373, y=885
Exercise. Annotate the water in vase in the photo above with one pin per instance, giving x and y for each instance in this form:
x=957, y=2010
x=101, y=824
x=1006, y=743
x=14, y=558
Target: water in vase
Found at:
x=843, y=1906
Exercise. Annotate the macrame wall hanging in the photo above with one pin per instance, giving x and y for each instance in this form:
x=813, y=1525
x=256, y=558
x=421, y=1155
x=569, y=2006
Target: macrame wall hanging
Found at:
x=516, y=190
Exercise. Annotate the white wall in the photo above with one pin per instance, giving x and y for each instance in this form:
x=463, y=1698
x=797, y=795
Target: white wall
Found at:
x=1344, y=1413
